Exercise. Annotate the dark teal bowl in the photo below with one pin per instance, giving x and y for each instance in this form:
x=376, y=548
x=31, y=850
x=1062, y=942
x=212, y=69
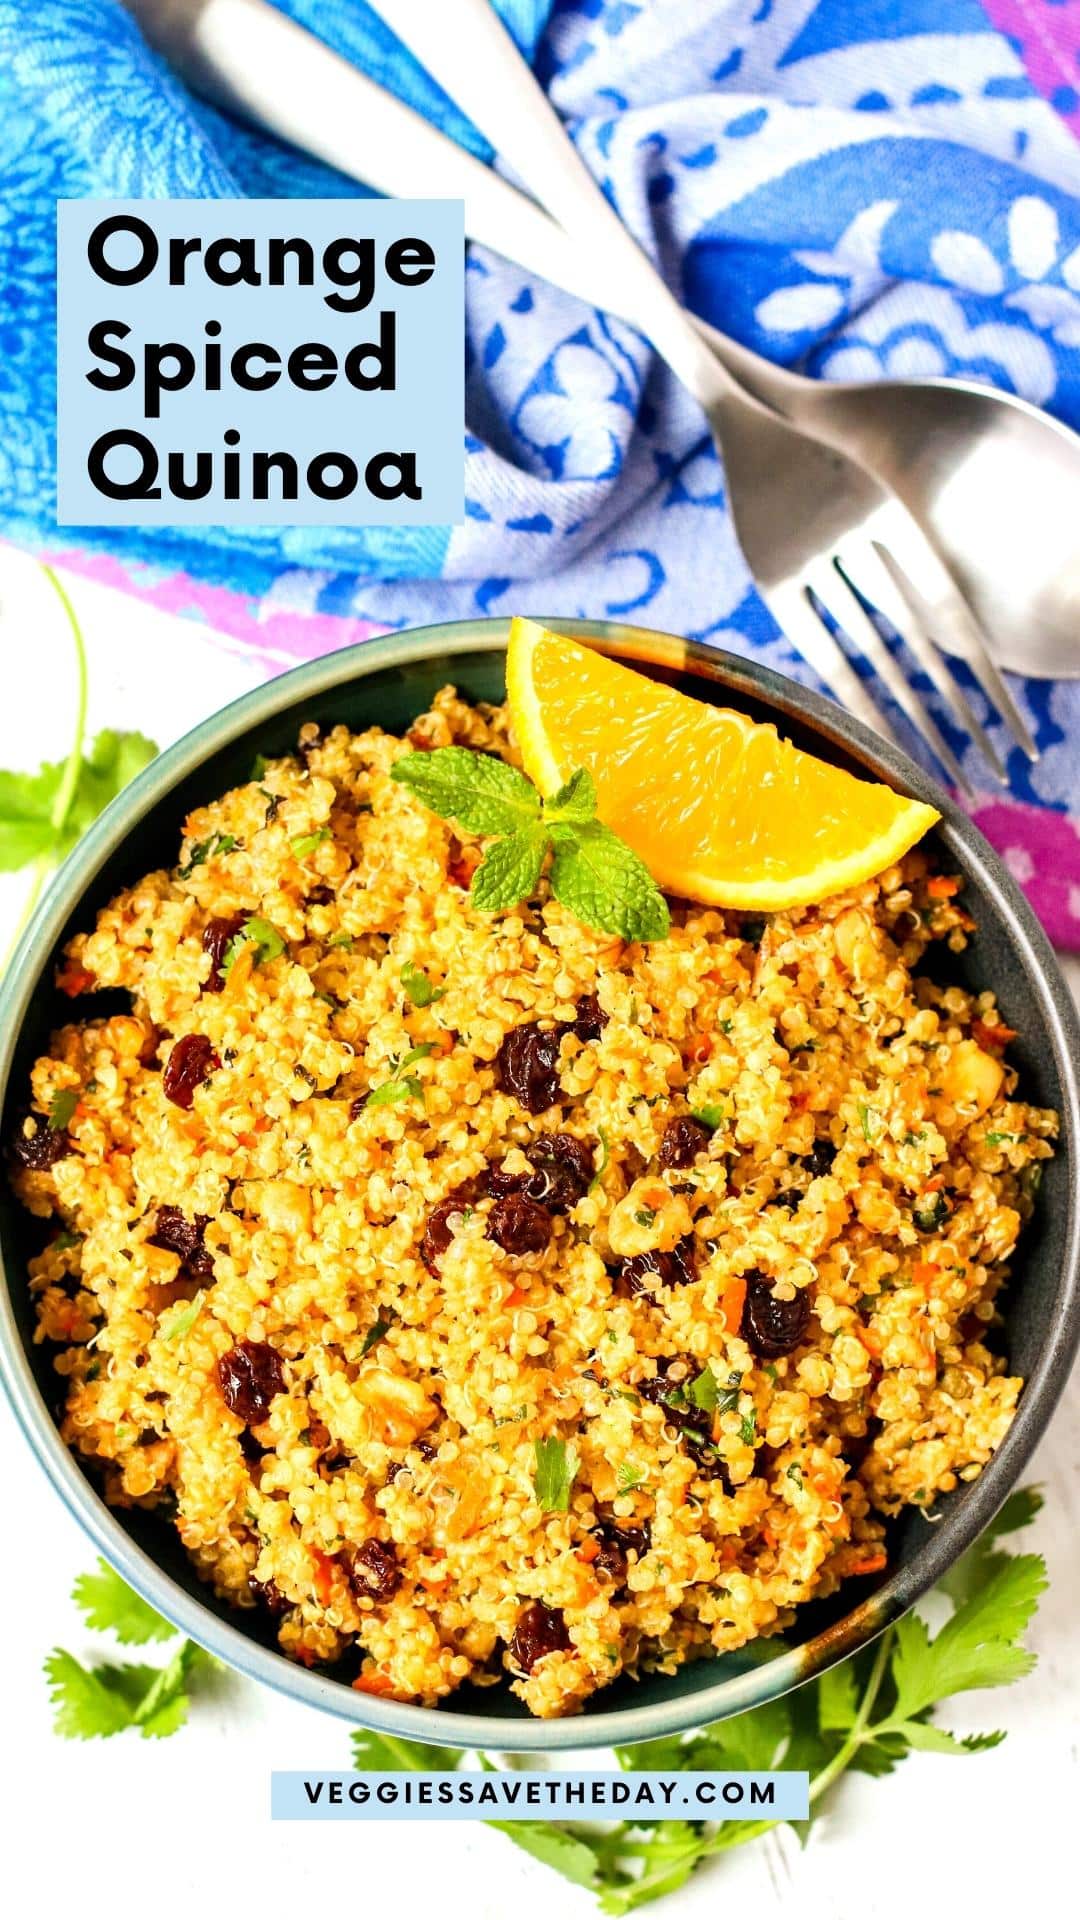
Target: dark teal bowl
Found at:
x=387, y=682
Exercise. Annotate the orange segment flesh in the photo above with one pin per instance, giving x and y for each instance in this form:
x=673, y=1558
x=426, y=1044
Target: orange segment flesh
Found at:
x=720, y=809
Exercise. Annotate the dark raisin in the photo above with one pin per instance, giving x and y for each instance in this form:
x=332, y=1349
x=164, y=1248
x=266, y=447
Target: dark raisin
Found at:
x=527, y=1065
x=373, y=1571
x=788, y=1197
x=683, y=1139
x=184, y=1237
x=671, y=1394
x=253, y=1453
x=249, y=1376
x=216, y=937
x=518, y=1224
x=820, y=1158
x=37, y=1146
x=710, y=1464
x=562, y=1169
x=615, y=1544
x=270, y=1596
x=772, y=1327
x=540, y=1630
x=439, y=1232
x=589, y=1018
x=674, y=1268
x=191, y=1061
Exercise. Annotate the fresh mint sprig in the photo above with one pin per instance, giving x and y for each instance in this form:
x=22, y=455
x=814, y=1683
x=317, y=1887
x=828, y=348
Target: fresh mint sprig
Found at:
x=593, y=873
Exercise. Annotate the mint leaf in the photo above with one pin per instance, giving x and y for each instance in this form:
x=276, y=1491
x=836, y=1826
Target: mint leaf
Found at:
x=482, y=794
x=596, y=876
x=110, y=1606
x=556, y=1470
x=509, y=870
x=574, y=802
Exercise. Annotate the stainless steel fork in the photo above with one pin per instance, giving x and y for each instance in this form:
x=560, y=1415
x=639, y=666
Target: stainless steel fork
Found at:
x=819, y=534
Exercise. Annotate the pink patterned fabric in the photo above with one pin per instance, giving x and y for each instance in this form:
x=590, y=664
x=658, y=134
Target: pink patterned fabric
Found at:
x=1047, y=37
x=1041, y=849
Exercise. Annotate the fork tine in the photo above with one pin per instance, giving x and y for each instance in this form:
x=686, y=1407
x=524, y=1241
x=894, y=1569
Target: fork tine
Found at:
x=838, y=599
x=891, y=592
x=803, y=626
x=921, y=572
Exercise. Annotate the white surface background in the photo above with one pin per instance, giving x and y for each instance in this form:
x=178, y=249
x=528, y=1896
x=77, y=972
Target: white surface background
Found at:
x=181, y=1826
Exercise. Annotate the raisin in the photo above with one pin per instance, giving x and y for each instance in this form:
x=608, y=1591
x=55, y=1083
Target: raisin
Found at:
x=438, y=1233
x=562, y=1172
x=179, y=1235
x=191, y=1061
x=216, y=937
x=519, y=1225
x=820, y=1158
x=249, y=1376
x=772, y=1327
x=615, y=1544
x=674, y=1268
x=540, y=1630
x=589, y=1018
x=373, y=1571
x=671, y=1394
x=682, y=1141
x=788, y=1197
x=41, y=1147
x=527, y=1065
x=270, y=1596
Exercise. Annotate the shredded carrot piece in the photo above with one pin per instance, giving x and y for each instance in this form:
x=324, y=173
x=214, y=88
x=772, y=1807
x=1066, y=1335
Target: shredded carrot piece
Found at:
x=732, y=1301
x=873, y=1564
x=924, y=1273
x=589, y=1550
x=516, y=1297
x=74, y=980
x=987, y=1036
x=942, y=886
x=870, y=1341
x=324, y=1576
x=373, y=1683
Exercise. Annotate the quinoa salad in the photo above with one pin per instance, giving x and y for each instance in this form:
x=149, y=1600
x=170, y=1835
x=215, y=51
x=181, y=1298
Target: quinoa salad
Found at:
x=485, y=1299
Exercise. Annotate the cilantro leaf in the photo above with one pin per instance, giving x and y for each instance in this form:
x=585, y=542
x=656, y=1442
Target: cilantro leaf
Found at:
x=556, y=1470
x=306, y=843
x=709, y=1117
x=392, y=1092
x=208, y=849
x=87, y=1703
x=376, y=1332
x=509, y=870
x=388, y=1753
x=269, y=944
x=416, y=984
x=968, y=1575
x=27, y=830
x=62, y=1108
x=978, y=1647
x=111, y=1606
x=547, y=1841
x=482, y=794
x=704, y=1392
x=602, y=881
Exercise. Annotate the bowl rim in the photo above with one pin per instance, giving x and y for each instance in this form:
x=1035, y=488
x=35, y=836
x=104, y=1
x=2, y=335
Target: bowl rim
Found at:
x=1043, y=1386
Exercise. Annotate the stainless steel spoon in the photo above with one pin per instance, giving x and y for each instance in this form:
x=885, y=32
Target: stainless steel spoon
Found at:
x=990, y=480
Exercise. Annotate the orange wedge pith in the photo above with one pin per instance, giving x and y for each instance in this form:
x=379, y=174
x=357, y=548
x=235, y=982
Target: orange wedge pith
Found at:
x=720, y=809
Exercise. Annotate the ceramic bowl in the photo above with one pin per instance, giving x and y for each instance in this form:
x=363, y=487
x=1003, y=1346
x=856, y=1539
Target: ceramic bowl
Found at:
x=387, y=682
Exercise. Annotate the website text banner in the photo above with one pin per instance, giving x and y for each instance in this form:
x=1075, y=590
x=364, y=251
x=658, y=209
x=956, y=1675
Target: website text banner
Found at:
x=514, y=1795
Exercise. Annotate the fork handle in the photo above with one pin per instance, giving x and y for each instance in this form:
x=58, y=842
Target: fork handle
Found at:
x=465, y=47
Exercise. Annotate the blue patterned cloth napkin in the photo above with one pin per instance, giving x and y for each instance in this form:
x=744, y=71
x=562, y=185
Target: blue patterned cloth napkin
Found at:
x=853, y=186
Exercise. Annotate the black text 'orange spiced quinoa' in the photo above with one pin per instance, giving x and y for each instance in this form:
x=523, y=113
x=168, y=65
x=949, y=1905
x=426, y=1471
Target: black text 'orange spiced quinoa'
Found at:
x=488, y=1299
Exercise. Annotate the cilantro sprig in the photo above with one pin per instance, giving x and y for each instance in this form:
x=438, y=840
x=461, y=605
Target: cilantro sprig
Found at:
x=556, y=1470
x=43, y=814
x=593, y=873
x=94, y=1702
x=866, y=1715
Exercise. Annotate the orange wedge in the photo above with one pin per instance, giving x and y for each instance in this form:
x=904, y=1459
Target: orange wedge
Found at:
x=720, y=809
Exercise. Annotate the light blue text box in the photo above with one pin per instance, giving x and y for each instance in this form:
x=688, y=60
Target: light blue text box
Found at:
x=515, y=1795
x=423, y=414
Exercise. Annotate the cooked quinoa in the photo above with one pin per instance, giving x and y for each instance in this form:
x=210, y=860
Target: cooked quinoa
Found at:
x=581, y=1353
